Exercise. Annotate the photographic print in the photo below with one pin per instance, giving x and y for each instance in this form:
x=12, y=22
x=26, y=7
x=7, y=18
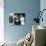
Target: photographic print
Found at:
x=17, y=18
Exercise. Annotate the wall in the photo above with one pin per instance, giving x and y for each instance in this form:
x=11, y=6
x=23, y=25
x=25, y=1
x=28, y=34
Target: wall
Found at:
x=29, y=7
x=43, y=6
x=1, y=21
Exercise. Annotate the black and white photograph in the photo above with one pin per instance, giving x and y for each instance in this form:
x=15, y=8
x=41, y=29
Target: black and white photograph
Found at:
x=17, y=18
x=11, y=18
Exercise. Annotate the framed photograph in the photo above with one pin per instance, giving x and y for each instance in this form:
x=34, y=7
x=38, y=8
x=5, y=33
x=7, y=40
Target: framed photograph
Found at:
x=17, y=18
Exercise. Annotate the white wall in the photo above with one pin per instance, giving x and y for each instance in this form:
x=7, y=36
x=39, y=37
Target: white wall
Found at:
x=1, y=21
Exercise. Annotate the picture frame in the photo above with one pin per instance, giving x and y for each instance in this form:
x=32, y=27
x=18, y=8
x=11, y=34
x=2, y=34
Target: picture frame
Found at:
x=17, y=18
